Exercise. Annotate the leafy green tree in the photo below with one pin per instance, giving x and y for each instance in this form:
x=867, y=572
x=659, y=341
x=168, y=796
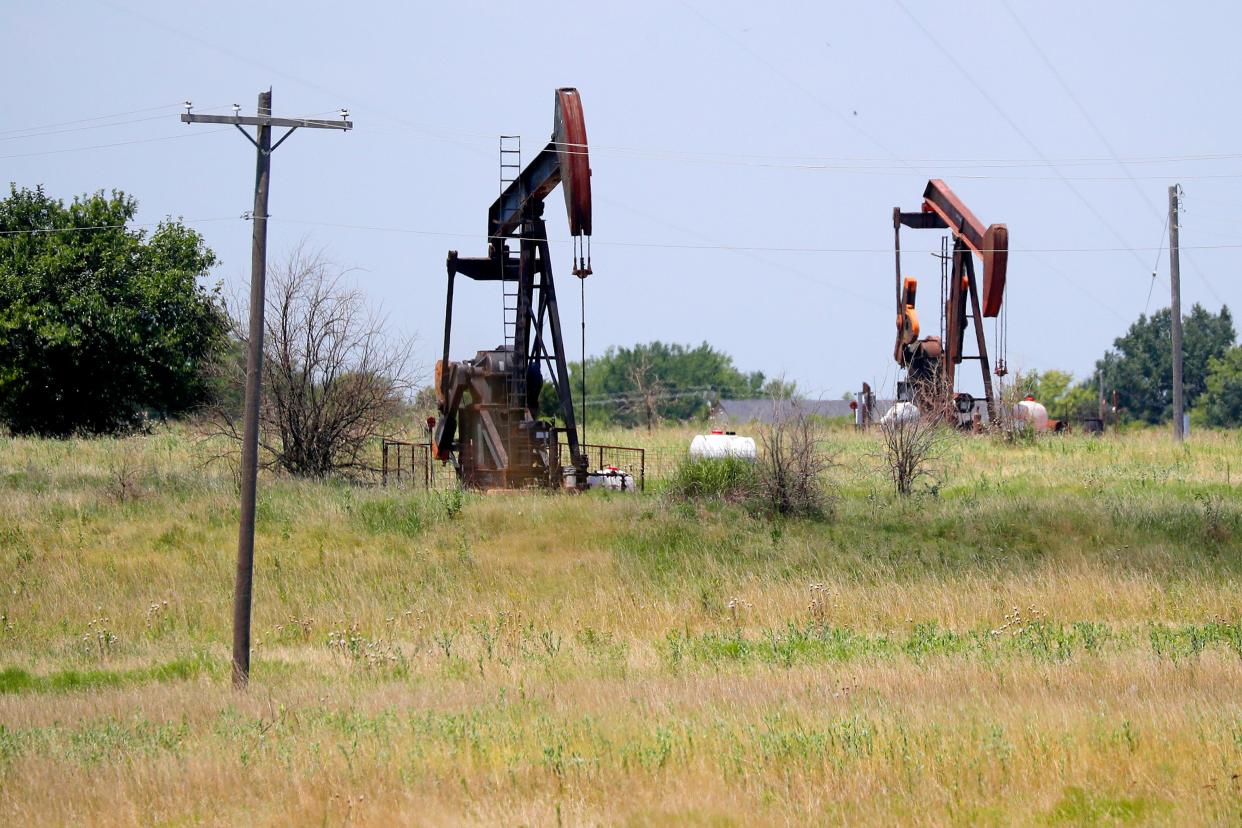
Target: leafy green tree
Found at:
x=1048, y=387
x=100, y=325
x=1140, y=365
x=656, y=381
x=1056, y=390
x=1221, y=403
x=1080, y=402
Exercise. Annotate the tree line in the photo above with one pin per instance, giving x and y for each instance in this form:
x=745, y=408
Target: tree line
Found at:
x=1136, y=373
x=658, y=381
x=105, y=326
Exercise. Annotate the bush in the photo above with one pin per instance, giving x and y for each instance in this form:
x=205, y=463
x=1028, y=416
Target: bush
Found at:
x=787, y=479
x=792, y=466
x=101, y=326
x=727, y=478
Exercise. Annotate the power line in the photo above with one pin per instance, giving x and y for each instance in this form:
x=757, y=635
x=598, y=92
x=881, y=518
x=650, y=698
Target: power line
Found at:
x=751, y=253
x=852, y=123
x=47, y=230
x=41, y=132
x=1099, y=133
x=94, y=118
x=1077, y=284
x=109, y=146
x=743, y=247
x=1193, y=263
x=1015, y=127
x=45, y=133
x=1154, y=267
x=815, y=161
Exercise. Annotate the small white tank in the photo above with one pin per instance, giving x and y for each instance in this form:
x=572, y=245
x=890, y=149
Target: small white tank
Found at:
x=1030, y=414
x=901, y=412
x=720, y=444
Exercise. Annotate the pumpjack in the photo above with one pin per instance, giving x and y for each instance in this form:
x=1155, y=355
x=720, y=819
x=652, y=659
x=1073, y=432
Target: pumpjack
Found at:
x=931, y=362
x=489, y=426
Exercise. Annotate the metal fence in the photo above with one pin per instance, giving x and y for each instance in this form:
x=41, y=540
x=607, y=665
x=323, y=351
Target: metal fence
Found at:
x=600, y=457
x=410, y=465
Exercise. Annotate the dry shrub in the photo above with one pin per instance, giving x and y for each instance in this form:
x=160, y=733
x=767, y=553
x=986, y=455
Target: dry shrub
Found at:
x=793, y=463
x=333, y=380
x=911, y=447
x=125, y=474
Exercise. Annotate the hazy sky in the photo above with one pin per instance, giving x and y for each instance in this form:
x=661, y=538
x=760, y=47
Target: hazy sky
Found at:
x=789, y=129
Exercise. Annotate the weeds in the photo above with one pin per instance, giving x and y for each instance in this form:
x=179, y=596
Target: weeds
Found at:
x=638, y=660
x=99, y=639
x=351, y=646
x=731, y=479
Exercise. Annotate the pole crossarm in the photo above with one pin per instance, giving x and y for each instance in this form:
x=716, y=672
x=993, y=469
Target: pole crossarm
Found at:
x=259, y=120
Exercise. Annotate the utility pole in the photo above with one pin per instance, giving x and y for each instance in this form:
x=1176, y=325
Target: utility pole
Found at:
x=1102, y=409
x=263, y=121
x=1175, y=285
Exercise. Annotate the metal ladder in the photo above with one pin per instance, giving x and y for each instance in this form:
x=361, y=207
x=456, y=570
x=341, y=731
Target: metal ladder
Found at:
x=945, y=257
x=515, y=385
x=510, y=168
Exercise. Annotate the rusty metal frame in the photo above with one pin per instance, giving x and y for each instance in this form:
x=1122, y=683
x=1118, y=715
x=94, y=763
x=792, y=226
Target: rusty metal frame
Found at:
x=518, y=214
x=943, y=210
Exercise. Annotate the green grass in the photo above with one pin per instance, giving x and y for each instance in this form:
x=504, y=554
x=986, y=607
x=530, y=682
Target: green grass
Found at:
x=1055, y=638
x=17, y=680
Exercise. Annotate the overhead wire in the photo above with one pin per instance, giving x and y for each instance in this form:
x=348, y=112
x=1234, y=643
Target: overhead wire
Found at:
x=187, y=134
x=115, y=144
x=830, y=162
x=40, y=132
x=38, y=231
x=66, y=130
x=1021, y=133
x=1194, y=264
x=735, y=247
x=1099, y=133
x=431, y=131
x=90, y=119
x=1156, y=265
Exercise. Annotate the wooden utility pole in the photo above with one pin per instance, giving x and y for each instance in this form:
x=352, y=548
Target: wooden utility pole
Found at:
x=263, y=122
x=1175, y=285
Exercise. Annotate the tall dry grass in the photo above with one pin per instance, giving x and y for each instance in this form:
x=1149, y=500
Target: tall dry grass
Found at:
x=1055, y=638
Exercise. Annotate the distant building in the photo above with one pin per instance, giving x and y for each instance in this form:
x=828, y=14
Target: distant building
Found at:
x=738, y=412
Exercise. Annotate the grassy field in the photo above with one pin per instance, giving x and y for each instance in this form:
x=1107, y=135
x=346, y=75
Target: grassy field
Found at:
x=1053, y=637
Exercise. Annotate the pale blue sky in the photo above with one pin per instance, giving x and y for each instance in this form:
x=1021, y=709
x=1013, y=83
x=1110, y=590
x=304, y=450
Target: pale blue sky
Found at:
x=727, y=123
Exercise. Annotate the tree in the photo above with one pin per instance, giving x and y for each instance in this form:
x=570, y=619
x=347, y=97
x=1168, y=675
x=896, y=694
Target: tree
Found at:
x=333, y=380
x=1140, y=368
x=1221, y=403
x=686, y=378
x=1064, y=399
x=100, y=325
x=647, y=390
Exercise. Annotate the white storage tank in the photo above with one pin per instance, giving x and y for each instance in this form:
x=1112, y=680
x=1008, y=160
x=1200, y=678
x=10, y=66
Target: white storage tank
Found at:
x=1030, y=414
x=720, y=444
x=901, y=412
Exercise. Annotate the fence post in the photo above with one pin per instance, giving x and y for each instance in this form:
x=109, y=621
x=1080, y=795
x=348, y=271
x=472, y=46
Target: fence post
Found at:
x=384, y=476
